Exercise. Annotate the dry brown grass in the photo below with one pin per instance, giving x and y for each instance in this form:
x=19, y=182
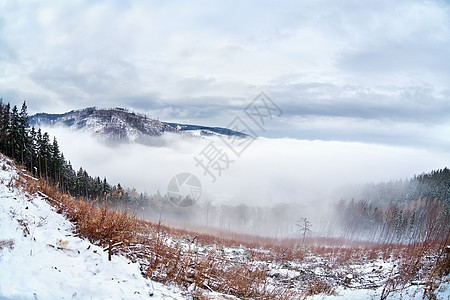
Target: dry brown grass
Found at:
x=101, y=225
x=118, y=231
x=316, y=287
x=423, y=262
x=6, y=244
x=206, y=271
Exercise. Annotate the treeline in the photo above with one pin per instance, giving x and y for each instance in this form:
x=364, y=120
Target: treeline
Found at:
x=392, y=212
x=275, y=221
x=416, y=220
x=398, y=211
x=42, y=157
x=435, y=184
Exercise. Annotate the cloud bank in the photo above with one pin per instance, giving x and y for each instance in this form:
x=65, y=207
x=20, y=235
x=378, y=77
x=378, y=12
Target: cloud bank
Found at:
x=269, y=171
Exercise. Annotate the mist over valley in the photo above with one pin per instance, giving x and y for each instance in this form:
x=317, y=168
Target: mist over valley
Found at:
x=290, y=177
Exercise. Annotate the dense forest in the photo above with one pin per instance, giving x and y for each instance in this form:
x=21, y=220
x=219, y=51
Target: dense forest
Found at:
x=398, y=211
x=41, y=156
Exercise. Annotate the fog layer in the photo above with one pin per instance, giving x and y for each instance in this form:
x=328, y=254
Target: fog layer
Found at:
x=268, y=172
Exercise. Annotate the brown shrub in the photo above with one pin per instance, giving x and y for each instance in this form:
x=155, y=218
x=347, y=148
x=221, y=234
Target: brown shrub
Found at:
x=317, y=286
x=6, y=244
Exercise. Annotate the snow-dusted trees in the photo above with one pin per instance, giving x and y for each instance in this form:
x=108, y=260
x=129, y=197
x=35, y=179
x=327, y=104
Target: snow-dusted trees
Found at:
x=398, y=211
x=14, y=137
x=4, y=127
x=415, y=220
x=42, y=157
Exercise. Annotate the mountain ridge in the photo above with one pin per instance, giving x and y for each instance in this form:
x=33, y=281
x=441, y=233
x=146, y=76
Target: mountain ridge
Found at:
x=122, y=125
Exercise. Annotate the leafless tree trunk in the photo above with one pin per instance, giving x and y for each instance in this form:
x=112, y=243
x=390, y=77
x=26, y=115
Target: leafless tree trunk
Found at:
x=304, y=226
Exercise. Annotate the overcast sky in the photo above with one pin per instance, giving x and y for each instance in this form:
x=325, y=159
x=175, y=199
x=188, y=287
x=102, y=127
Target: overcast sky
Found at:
x=363, y=71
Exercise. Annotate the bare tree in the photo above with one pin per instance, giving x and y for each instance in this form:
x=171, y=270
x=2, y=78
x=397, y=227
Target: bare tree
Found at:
x=304, y=226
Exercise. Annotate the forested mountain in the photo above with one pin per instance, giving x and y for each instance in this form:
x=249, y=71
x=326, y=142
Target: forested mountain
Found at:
x=398, y=211
x=42, y=157
x=121, y=125
x=435, y=184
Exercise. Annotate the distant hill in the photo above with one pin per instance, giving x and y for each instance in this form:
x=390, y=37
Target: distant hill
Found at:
x=122, y=125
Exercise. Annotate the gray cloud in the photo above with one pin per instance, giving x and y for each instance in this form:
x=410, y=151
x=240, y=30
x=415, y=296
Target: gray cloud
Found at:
x=399, y=57
x=412, y=104
x=354, y=71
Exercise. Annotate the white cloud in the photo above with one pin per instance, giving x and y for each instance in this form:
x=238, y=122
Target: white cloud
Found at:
x=269, y=171
x=198, y=61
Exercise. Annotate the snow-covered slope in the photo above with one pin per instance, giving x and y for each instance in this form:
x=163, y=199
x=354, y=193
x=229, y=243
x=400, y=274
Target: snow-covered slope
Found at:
x=121, y=125
x=113, y=124
x=41, y=258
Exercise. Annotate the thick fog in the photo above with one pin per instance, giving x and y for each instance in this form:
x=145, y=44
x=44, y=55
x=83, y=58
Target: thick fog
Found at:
x=269, y=171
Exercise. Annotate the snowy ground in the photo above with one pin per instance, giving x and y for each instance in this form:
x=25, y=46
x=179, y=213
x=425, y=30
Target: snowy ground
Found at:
x=411, y=293
x=40, y=258
x=359, y=278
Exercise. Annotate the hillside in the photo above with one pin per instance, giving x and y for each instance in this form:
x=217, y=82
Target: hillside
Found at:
x=42, y=257
x=119, y=124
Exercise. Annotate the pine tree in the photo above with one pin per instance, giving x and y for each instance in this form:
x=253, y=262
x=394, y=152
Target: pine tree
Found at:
x=106, y=188
x=44, y=152
x=56, y=161
x=33, y=151
x=4, y=129
x=25, y=141
x=81, y=183
x=2, y=141
x=69, y=177
x=14, y=134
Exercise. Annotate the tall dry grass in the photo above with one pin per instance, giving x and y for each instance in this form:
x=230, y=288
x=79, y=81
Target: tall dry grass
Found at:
x=119, y=231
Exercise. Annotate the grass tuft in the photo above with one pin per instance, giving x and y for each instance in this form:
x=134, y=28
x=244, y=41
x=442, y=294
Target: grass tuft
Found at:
x=6, y=244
